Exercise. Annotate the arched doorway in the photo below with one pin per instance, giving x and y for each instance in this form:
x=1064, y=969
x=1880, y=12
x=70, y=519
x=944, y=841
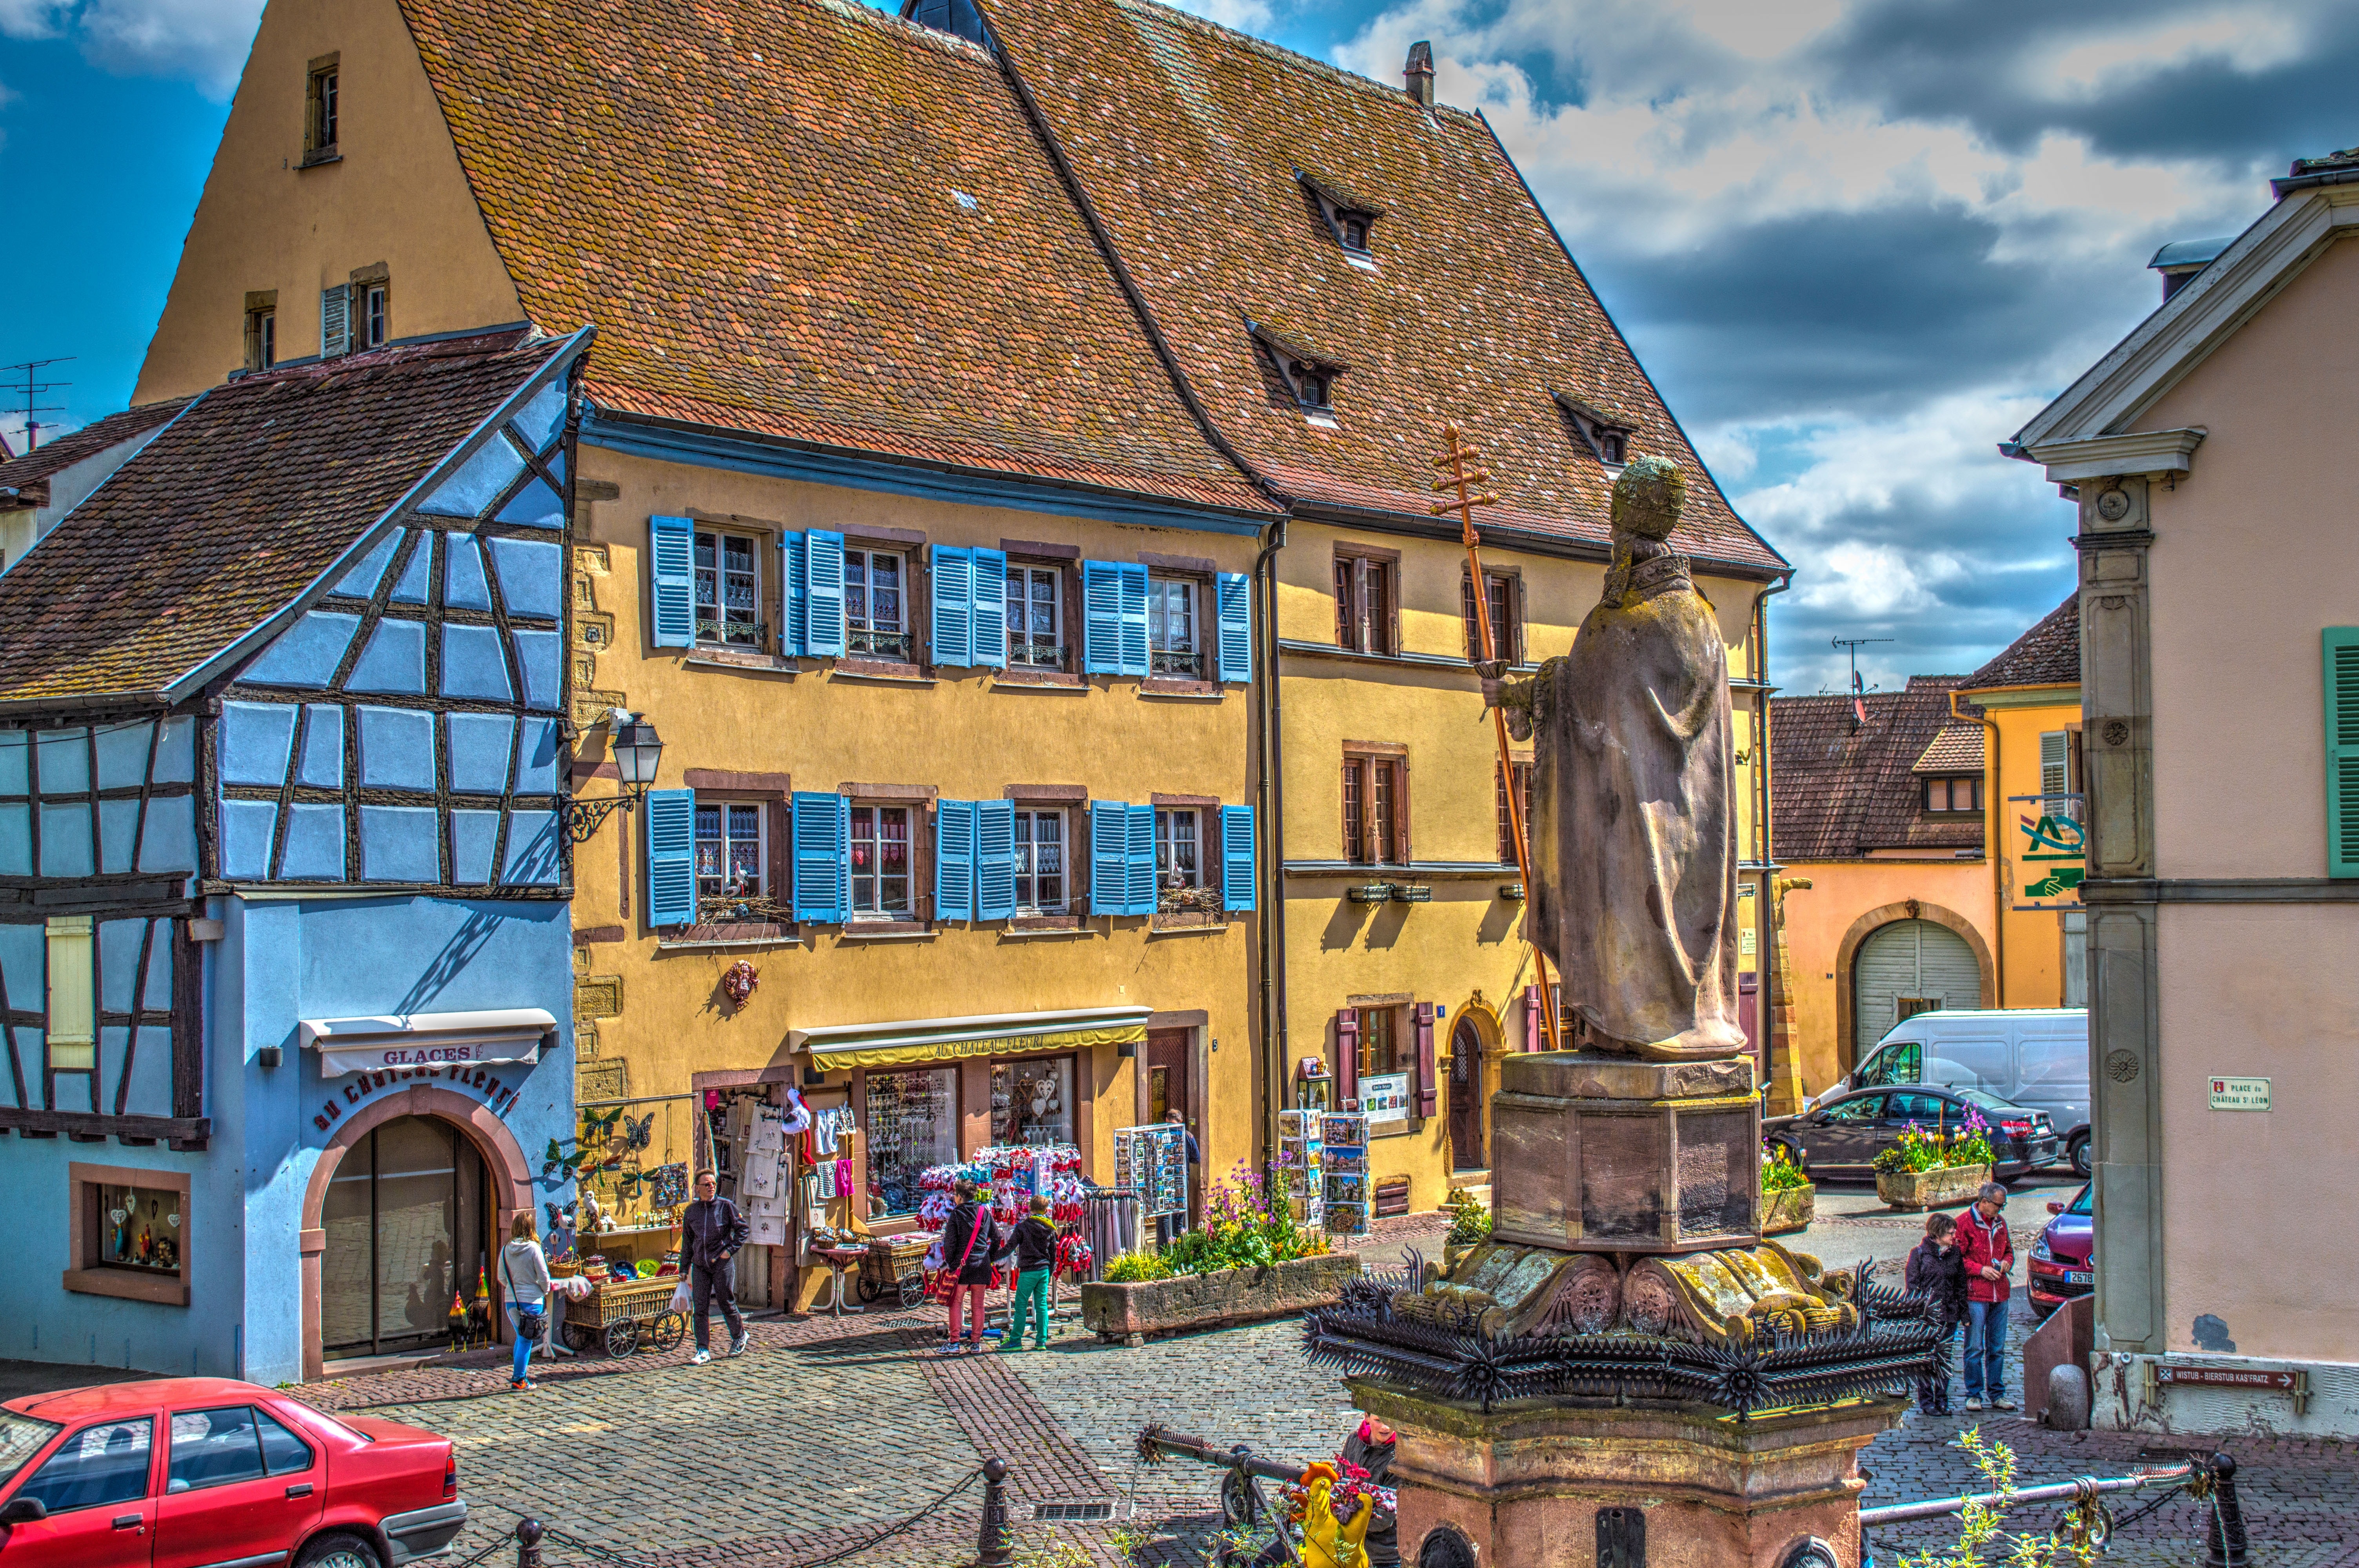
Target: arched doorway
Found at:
x=1467, y=1150
x=1906, y=967
x=407, y=1222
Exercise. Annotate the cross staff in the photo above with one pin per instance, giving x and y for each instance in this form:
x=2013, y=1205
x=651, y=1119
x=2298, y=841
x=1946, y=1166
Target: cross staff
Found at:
x=1455, y=460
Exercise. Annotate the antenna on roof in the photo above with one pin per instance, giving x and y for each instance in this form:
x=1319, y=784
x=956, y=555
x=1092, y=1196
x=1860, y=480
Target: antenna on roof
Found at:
x=33, y=389
x=1858, y=692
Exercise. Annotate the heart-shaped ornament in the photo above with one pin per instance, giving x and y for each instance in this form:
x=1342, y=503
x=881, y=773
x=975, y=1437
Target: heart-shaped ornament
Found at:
x=173, y=1221
x=118, y=1215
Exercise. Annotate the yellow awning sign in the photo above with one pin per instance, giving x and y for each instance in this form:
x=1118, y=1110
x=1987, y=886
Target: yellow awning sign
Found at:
x=952, y=1039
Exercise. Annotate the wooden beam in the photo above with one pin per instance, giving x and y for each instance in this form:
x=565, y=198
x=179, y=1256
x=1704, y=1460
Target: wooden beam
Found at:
x=85, y=1126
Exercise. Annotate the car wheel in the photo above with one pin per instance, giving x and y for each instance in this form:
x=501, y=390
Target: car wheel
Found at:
x=338, y=1551
x=2077, y=1151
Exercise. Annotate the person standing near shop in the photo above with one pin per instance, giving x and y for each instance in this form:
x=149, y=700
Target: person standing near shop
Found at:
x=523, y=1281
x=1035, y=1244
x=970, y=1238
x=1938, y=1272
x=711, y=1233
x=1167, y=1226
x=1989, y=1253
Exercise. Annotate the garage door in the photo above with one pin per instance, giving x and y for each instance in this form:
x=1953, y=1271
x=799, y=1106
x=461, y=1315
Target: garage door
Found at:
x=1908, y=967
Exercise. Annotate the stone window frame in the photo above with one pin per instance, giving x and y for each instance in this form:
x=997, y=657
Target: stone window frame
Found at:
x=1358, y=567
x=1361, y=761
x=87, y=1276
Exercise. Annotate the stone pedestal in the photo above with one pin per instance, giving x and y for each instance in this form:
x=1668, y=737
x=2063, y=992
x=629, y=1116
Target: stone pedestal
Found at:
x=1524, y=1485
x=1599, y=1153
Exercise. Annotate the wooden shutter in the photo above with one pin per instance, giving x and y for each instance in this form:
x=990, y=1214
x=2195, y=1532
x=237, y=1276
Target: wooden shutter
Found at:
x=824, y=594
x=1234, y=595
x=1347, y=1056
x=1131, y=583
x=793, y=603
x=1100, y=619
x=2341, y=653
x=1422, y=1016
x=672, y=580
x=335, y=322
x=672, y=857
x=1237, y=882
x=2055, y=773
x=990, y=638
x=1139, y=844
x=821, y=825
x=72, y=1020
x=1109, y=870
x=994, y=859
x=953, y=595
x=954, y=859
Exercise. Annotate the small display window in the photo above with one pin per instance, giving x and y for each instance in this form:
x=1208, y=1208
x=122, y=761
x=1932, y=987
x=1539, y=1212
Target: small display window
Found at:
x=138, y=1227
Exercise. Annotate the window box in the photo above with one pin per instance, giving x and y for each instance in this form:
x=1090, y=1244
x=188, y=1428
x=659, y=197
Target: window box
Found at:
x=128, y=1233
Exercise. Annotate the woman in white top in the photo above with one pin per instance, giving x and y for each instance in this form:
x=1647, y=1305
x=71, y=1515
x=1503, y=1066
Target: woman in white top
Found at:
x=524, y=1273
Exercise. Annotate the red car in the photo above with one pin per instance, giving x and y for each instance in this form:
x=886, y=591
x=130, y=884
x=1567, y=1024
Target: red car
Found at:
x=2060, y=1267
x=211, y=1473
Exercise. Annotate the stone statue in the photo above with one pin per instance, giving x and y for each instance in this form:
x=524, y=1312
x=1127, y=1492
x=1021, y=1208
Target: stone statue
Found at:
x=1633, y=847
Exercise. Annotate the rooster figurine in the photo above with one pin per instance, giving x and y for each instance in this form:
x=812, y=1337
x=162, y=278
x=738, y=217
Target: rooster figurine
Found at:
x=1328, y=1541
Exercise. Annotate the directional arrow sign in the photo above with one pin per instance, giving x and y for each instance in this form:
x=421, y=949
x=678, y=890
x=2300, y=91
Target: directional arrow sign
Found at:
x=2228, y=1377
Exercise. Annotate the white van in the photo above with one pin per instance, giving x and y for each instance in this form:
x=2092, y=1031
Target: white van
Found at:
x=2037, y=1057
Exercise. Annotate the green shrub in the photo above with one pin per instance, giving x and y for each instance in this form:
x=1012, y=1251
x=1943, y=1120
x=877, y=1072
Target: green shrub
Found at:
x=1780, y=1174
x=1470, y=1219
x=1244, y=1229
x=1135, y=1268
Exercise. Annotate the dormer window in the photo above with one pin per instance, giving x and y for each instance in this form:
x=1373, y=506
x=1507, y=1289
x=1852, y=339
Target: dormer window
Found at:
x=1607, y=436
x=1351, y=219
x=1307, y=374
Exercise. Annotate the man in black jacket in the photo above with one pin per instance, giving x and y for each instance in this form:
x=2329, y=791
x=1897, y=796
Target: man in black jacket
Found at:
x=711, y=1232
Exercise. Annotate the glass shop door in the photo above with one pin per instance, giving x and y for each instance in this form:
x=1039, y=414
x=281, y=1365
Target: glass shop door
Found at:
x=406, y=1226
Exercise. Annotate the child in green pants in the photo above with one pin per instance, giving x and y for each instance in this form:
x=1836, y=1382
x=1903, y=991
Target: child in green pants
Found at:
x=1035, y=1253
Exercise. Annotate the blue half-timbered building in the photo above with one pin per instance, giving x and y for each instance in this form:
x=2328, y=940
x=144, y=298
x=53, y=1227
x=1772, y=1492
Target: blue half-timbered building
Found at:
x=284, y=937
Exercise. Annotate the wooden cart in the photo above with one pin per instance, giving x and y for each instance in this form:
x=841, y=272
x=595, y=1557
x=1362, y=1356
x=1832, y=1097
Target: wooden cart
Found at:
x=894, y=1267
x=620, y=1317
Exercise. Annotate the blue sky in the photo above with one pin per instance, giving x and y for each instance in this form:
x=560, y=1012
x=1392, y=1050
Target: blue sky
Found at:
x=1856, y=241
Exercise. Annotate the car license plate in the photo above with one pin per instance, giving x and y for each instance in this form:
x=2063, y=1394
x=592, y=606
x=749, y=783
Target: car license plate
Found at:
x=2080, y=1277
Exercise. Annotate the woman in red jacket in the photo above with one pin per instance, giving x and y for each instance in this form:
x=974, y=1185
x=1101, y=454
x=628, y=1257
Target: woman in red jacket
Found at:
x=1989, y=1254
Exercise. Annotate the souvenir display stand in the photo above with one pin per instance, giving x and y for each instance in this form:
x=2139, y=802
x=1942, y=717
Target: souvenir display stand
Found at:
x=753, y=1166
x=630, y=1183
x=1344, y=1172
x=1014, y=1175
x=1301, y=1152
x=1152, y=1160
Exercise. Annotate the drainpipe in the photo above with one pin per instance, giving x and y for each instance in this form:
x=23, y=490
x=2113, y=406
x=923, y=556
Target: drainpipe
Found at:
x=1269, y=793
x=1992, y=839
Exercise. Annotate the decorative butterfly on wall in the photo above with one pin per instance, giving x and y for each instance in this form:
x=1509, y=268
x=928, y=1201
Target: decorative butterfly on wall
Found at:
x=633, y=1135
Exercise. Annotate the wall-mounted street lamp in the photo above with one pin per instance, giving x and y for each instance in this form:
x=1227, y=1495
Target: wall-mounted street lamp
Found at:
x=1412, y=892
x=1371, y=892
x=637, y=752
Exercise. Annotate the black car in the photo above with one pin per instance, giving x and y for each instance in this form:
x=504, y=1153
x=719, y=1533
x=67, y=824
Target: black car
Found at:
x=1843, y=1137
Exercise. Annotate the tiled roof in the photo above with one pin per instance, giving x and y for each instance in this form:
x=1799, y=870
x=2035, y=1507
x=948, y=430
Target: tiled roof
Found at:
x=805, y=219
x=1837, y=792
x=1188, y=138
x=2047, y=655
x=230, y=513
x=29, y=475
x=1957, y=749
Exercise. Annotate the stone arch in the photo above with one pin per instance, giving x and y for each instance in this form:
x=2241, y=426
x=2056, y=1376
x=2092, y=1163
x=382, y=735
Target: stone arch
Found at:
x=508, y=1179
x=1865, y=926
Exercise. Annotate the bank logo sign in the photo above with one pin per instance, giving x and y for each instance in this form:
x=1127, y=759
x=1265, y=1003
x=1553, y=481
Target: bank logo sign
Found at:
x=2051, y=848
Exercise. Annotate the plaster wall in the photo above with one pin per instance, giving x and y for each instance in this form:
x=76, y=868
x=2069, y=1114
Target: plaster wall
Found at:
x=267, y=223
x=2250, y=558
x=965, y=732
x=1817, y=917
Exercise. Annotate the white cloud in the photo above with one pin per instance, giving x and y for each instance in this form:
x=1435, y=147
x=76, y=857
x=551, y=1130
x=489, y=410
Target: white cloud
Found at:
x=203, y=41
x=32, y=18
x=1246, y=16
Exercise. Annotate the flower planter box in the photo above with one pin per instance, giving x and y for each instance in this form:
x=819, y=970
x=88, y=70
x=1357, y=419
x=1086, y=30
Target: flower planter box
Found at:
x=1952, y=1184
x=1132, y=1312
x=1788, y=1209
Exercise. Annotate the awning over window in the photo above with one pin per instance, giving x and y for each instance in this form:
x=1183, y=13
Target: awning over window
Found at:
x=948, y=1039
x=393, y=1042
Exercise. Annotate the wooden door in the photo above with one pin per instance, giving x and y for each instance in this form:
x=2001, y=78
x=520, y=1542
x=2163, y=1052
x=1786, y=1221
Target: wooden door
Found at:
x=1466, y=1150
x=1167, y=1086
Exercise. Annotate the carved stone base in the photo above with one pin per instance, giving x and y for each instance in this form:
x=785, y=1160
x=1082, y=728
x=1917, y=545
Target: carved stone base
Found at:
x=1542, y=1484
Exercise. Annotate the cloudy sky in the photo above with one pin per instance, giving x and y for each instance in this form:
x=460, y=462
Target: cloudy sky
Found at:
x=1856, y=241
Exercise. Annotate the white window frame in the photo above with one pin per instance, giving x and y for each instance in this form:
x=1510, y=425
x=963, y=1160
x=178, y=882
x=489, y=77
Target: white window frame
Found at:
x=1022, y=579
x=859, y=576
x=1166, y=841
x=376, y=320
x=1027, y=866
x=875, y=877
x=756, y=549
x=727, y=806
x=1160, y=654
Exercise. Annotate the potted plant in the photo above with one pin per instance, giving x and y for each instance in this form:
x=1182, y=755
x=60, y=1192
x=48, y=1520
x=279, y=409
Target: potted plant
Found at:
x=1788, y=1200
x=1250, y=1261
x=1932, y=1168
x=1470, y=1223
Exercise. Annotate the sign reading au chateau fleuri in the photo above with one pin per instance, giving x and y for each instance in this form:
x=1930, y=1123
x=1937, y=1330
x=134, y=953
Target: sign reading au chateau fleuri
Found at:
x=498, y=1094
x=2051, y=843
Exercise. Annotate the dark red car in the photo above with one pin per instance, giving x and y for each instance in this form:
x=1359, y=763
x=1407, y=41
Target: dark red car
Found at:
x=211, y=1473
x=2060, y=1269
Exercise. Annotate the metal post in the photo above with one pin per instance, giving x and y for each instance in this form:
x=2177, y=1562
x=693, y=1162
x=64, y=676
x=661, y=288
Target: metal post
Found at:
x=2226, y=1533
x=529, y=1533
x=993, y=1549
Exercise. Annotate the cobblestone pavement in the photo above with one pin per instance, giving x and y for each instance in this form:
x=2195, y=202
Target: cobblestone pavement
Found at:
x=828, y=1432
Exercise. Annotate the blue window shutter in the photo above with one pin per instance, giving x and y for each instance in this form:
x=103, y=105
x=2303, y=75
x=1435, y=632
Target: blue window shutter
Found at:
x=1236, y=596
x=794, y=606
x=820, y=827
x=1237, y=857
x=1100, y=618
x=953, y=595
x=1134, y=620
x=994, y=859
x=672, y=580
x=1109, y=858
x=1139, y=852
x=824, y=594
x=672, y=857
x=991, y=609
x=954, y=859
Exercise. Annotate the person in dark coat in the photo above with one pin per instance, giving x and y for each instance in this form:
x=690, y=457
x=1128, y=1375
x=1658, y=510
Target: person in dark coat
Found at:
x=970, y=1238
x=1371, y=1448
x=1936, y=1271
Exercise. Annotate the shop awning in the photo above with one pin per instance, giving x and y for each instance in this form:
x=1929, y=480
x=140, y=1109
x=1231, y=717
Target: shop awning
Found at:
x=948, y=1039
x=393, y=1042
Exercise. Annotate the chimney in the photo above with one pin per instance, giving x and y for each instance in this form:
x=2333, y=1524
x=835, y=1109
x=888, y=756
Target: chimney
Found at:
x=1418, y=73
